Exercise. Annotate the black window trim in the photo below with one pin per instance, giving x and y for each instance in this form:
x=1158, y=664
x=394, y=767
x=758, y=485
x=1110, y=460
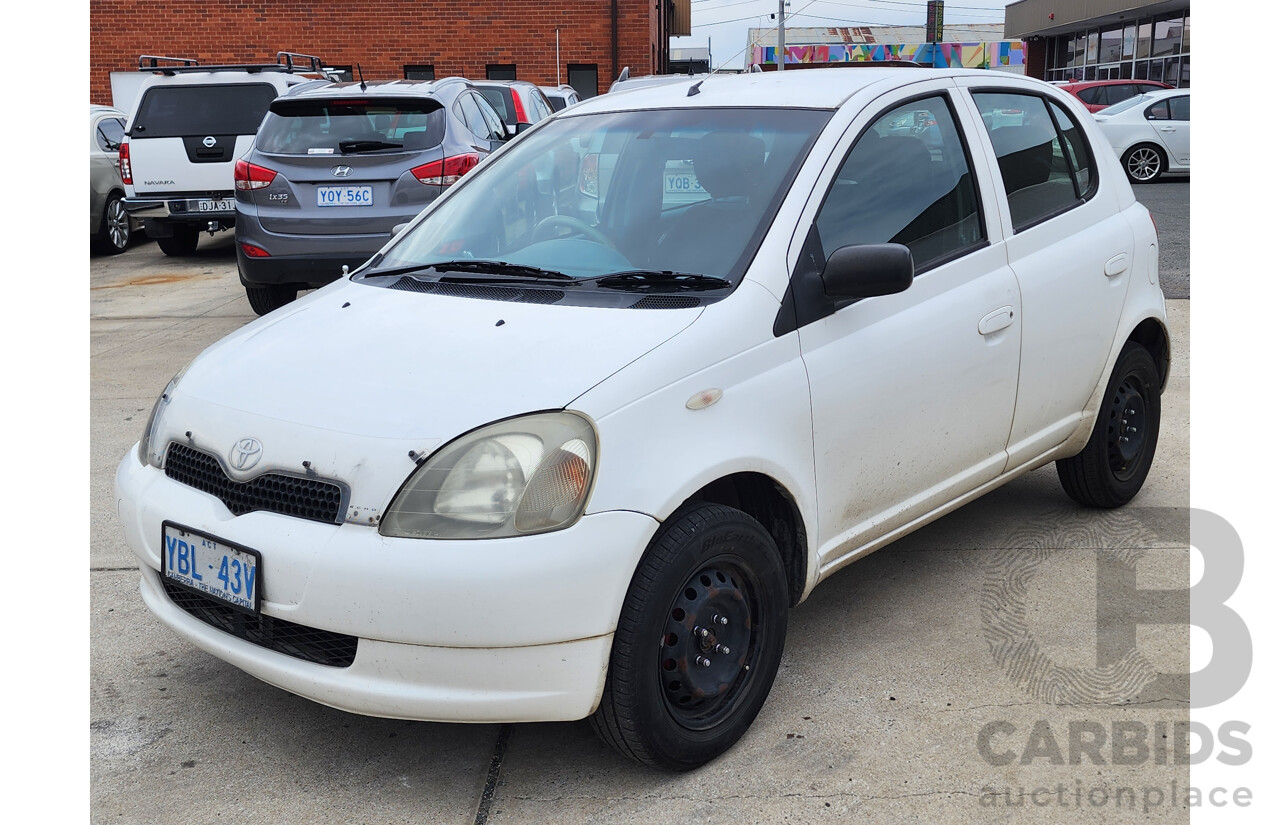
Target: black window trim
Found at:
x=1088, y=146
x=804, y=301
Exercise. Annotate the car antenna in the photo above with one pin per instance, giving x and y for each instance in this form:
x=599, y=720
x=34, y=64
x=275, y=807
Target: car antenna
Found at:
x=693, y=90
x=360, y=72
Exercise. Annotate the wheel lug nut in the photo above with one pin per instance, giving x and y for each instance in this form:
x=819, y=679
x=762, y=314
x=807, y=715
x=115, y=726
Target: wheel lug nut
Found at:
x=722, y=620
x=703, y=661
x=722, y=650
x=702, y=632
x=1124, y=439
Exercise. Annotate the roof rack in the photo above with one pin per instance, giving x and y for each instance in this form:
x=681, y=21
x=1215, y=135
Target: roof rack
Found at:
x=288, y=62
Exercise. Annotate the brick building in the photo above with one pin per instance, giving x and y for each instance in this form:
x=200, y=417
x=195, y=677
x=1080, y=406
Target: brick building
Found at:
x=395, y=38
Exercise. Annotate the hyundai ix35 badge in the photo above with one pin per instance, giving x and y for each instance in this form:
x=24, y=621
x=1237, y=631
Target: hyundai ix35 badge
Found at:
x=210, y=142
x=341, y=171
x=245, y=453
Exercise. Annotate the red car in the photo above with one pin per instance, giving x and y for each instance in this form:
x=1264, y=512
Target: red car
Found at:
x=1097, y=95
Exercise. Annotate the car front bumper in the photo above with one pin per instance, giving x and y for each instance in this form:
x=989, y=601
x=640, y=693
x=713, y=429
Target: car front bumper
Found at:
x=498, y=630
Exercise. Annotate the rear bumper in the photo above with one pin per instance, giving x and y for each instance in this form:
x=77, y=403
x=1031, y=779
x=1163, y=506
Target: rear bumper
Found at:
x=314, y=270
x=184, y=208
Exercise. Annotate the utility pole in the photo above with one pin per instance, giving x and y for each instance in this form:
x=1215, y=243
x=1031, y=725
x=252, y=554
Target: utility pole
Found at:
x=782, y=35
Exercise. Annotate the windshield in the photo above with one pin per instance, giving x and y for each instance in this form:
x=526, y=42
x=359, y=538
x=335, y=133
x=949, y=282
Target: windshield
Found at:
x=1124, y=105
x=687, y=191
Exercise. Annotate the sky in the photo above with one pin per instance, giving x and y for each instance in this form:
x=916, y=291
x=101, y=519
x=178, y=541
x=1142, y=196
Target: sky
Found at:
x=725, y=22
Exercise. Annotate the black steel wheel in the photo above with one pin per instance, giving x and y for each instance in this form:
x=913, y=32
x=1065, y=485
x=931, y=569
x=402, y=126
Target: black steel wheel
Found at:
x=1112, y=467
x=698, y=642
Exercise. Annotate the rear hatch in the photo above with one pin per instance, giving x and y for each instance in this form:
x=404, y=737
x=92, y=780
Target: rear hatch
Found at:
x=186, y=138
x=345, y=166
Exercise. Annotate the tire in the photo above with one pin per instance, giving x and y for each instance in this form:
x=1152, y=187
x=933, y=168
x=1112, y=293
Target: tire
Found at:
x=1143, y=163
x=116, y=229
x=264, y=299
x=698, y=641
x=182, y=243
x=1111, y=468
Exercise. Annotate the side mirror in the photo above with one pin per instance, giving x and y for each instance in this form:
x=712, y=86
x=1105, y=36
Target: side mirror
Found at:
x=398, y=228
x=868, y=270
x=522, y=127
x=511, y=130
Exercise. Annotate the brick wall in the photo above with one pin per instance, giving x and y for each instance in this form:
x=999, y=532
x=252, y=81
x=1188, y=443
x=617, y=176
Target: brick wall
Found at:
x=382, y=36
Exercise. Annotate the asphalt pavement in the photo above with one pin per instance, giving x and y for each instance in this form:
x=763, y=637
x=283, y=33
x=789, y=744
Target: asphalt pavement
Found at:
x=952, y=677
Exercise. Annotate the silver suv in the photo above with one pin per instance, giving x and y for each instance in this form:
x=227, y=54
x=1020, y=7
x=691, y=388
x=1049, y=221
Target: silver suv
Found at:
x=189, y=125
x=336, y=167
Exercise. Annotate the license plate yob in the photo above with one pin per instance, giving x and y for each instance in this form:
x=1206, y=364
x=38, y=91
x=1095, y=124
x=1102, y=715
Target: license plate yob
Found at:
x=214, y=567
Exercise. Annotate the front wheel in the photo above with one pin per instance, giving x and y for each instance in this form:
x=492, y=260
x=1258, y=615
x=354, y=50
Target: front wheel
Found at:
x=698, y=641
x=1143, y=163
x=1111, y=468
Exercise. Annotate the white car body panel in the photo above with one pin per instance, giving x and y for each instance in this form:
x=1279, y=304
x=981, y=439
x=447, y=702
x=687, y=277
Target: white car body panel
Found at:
x=1130, y=127
x=155, y=160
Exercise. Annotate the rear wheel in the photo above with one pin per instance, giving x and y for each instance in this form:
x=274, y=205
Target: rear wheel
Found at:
x=115, y=232
x=698, y=641
x=1143, y=163
x=1111, y=468
x=181, y=243
x=270, y=297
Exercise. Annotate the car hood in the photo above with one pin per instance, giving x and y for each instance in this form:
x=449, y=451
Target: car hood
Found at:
x=346, y=382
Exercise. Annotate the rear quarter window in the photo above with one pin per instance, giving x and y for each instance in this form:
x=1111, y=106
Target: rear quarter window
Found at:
x=190, y=111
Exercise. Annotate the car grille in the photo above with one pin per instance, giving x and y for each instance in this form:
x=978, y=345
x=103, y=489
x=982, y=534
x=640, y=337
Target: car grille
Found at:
x=276, y=493
x=298, y=641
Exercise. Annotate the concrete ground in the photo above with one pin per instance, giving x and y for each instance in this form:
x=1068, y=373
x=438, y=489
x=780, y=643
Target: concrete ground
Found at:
x=909, y=680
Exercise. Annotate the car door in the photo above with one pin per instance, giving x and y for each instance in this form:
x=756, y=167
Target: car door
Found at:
x=912, y=393
x=1071, y=251
x=106, y=133
x=1171, y=118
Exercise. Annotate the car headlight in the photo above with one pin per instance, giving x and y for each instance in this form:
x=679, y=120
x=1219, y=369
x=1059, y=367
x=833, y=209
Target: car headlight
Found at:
x=521, y=476
x=145, y=454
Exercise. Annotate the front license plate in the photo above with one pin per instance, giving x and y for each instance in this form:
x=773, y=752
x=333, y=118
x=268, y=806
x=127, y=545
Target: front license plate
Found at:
x=344, y=196
x=219, y=205
x=214, y=567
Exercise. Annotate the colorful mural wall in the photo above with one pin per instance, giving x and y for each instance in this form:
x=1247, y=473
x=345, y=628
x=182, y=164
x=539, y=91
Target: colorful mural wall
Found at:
x=939, y=55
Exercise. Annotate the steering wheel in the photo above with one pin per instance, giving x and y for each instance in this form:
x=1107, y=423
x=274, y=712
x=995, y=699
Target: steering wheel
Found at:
x=541, y=232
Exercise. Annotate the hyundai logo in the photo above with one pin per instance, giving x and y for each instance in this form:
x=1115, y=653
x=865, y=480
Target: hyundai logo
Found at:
x=245, y=453
x=342, y=171
x=210, y=142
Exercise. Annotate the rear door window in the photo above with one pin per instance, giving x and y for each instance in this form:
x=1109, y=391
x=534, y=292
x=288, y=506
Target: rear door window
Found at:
x=110, y=133
x=191, y=111
x=335, y=127
x=498, y=100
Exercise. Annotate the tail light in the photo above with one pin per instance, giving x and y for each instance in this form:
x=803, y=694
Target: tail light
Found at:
x=445, y=172
x=517, y=106
x=252, y=176
x=126, y=168
x=254, y=251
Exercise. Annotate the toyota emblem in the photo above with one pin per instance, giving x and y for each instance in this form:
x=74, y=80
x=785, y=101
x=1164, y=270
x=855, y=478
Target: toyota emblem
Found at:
x=210, y=142
x=342, y=171
x=245, y=453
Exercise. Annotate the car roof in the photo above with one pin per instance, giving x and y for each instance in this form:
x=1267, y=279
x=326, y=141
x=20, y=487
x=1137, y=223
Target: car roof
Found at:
x=99, y=109
x=825, y=88
x=379, y=88
x=1085, y=84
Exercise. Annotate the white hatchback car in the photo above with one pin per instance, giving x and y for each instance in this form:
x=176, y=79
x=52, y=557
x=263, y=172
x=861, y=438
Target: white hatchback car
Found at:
x=1150, y=133
x=573, y=442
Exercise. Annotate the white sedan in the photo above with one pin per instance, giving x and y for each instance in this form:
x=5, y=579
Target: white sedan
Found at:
x=1150, y=133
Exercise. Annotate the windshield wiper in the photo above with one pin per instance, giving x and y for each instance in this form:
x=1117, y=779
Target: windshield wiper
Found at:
x=480, y=272
x=642, y=280
x=348, y=147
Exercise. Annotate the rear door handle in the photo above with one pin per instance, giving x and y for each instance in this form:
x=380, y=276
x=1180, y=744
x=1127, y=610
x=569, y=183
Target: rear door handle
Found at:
x=995, y=321
x=1117, y=265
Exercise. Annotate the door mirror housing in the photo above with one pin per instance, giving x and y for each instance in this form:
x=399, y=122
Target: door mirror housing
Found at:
x=867, y=270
